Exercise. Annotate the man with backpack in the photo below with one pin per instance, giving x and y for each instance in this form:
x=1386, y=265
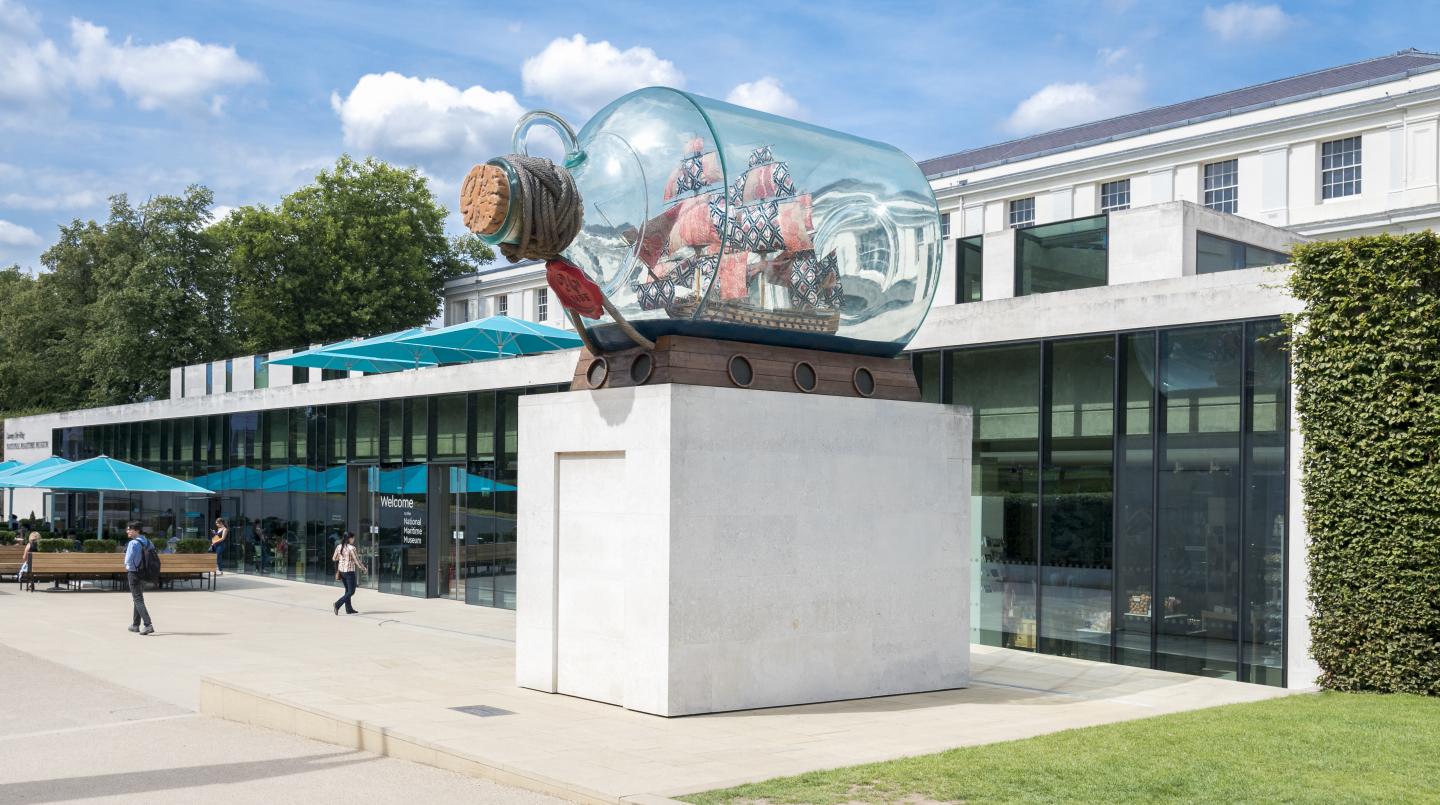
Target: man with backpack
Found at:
x=142, y=564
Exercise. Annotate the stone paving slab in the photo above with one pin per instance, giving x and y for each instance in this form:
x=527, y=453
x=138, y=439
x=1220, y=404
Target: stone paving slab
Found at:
x=271, y=653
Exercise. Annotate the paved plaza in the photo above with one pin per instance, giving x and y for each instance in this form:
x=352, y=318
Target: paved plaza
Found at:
x=270, y=653
x=68, y=736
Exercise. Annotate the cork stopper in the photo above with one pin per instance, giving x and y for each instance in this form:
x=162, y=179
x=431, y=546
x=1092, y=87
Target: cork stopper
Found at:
x=485, y=199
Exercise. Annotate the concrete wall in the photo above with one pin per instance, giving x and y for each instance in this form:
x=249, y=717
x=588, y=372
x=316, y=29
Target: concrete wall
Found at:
x=687, y=549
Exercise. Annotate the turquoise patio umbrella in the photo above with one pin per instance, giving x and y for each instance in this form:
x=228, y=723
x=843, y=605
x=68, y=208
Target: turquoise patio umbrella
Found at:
x=341, y=356
x=233, y=478
x=104, y=474
x=401, y=349
x=17, y=469
x=497, y=336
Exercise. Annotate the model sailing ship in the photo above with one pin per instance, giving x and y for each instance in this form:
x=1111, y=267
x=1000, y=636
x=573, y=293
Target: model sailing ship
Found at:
x=753, y=240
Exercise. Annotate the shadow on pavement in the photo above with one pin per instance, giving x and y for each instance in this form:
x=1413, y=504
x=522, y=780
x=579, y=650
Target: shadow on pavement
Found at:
x=140, y=782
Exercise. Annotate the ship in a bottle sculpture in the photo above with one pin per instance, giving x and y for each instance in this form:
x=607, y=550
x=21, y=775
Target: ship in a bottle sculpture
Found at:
x=688, y=217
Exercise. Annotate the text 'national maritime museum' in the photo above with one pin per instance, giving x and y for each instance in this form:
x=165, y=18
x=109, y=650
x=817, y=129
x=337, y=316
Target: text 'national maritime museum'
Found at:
x=1106, y=308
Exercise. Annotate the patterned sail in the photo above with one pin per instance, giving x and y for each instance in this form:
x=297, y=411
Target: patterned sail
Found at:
x=755, y=234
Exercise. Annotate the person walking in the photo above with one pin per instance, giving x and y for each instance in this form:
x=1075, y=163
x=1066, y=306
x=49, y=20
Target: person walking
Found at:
x=134, y=554
x=218, y=539
x=31, y=546
x=347, y=564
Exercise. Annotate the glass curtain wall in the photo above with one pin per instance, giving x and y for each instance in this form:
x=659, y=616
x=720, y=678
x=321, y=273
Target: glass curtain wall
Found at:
x=291, y=481
x=1129, y=495
x=1002, y=387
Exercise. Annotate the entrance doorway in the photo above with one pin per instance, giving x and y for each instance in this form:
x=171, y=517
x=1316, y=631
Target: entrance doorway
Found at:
x=360, y=483
x=447, y=537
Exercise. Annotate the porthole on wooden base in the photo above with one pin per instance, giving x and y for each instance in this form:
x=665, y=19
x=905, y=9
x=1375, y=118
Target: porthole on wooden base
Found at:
x=863, y=381
x=641, y=368
x=740, y=371
x=597, y=372
x=804, y=375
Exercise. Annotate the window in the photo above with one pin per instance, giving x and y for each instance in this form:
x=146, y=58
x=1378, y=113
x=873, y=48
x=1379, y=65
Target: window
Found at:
x=459, y=312
x=209, y=379
x=502, y=305
x=1340, y=168
x=229, y=375
x=1115, y=195
x=1214, y=254
x=262, y=372
x=542, y=304
x=944, y=225
x=1222, y=185
x=1062, y=256
x=970, y=254
x=333, y=374
x=1022, y=213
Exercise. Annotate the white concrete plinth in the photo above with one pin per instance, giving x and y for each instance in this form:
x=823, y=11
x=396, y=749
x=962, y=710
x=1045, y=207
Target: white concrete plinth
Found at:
x=685, y=549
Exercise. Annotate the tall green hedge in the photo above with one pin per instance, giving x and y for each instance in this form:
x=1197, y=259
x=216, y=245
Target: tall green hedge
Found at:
x=1366, y=353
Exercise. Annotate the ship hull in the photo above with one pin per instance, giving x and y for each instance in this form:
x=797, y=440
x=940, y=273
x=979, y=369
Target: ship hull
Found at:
x=610, y=338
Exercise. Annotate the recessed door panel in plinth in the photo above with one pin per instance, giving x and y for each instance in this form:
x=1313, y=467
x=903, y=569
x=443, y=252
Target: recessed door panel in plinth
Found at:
x=590, y=590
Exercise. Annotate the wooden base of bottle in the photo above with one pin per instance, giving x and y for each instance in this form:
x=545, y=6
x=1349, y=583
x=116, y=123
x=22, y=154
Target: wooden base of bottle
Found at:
x=739, y=364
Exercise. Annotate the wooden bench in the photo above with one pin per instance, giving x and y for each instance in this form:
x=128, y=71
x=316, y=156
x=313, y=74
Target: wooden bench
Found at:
x=68, y=568
x=188, y=566
x=10, y=560
x=72, y=567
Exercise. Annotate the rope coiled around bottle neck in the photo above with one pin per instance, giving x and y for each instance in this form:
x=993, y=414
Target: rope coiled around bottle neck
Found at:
x=549, y=208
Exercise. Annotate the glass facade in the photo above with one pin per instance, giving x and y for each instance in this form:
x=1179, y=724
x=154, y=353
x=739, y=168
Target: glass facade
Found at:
x=1129, y=495
x=969, y=268
x=426, y=483
x=1062, y=256
x=1214, y=253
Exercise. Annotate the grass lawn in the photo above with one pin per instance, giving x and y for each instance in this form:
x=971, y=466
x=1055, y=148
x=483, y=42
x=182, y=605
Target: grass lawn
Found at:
x=1322, y=748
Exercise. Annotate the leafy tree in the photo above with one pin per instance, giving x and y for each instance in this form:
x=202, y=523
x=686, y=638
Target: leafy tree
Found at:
x=119, y=304
x=161, y=297
x=360, y=251
x=472, y=252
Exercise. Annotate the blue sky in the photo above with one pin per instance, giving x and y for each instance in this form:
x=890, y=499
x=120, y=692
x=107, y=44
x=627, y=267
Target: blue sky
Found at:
x=252, y=97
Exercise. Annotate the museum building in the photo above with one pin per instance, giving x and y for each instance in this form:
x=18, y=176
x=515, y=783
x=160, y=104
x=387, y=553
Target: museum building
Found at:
x=1109, y=308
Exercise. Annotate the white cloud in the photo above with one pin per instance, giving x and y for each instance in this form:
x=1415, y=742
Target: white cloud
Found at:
x=220, y=212
x=179, y=73
x=585, y=75
x=74, y=200
x=31, y=65
x=1236, y=21
x=388, y=113
x=767, y=95
x=1112, y=56
x=17, y=235
x=1059, y=105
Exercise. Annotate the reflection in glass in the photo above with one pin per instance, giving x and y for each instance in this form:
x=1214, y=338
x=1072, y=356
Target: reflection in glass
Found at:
x=1263, y=631
x=1198, y=588
x=970, y=268
x=1062, y=256
x=1075, y=536
x=926, y=366
x=1135, y=502
x=1002, y=387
